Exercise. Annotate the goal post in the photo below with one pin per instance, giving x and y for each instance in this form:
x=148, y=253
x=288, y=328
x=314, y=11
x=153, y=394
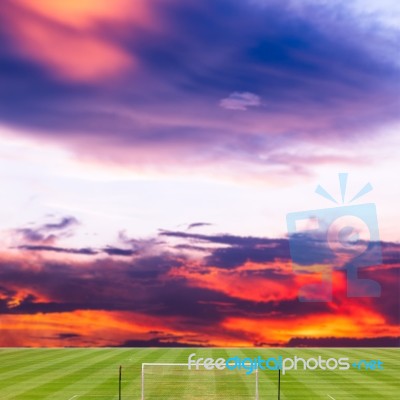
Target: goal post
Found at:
x=178, y=381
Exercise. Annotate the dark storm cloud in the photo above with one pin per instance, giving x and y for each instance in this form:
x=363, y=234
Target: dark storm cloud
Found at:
x=85, y=251
x=144, y=290
x=65, y=222
x=114, y=251
x=226, y=239
x=384, y=341
x=388, y=304
x=198, y=225
x=147, y=284
x=68, y=336
x=111, y=251
x=391, y=253
x=190, y=247
x=141, y=285
x=240, y=249
x=238, y=255
x=156, y=343
x=48, y=232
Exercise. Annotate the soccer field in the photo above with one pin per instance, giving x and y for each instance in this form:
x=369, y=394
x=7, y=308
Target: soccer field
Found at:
x=92, y=374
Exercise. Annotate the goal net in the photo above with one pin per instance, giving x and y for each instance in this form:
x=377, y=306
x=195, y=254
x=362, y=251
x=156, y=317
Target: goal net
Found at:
x=176, y=381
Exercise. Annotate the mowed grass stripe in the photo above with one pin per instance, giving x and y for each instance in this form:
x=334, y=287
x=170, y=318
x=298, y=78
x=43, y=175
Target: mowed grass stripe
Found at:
x=391, y=365
x=372, y=354
x=322, y=383
x=211, y=377
x=387, y=351
x=154, y=389
x=20, y=360
x=52, y=370
x=219, y=384
x=329, y=382
x=263, y=378
x=331, y=379
x=361, y=382
x=73, y=372
x=245, y=383
x=150, y=355
x=110, y=384
x=33, y=377
x=79, y=386
x=131, y=384
x=151, y=386
x=196, y=382
x=100, y=381
x=337, y=383
x=26, y=362
x=294, y=386
x=9, y=355
x=267, y=379
x=44, y=366
x=292, y=389
x=239, y=384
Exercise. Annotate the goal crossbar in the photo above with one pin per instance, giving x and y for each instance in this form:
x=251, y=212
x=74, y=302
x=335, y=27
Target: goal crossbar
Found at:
x=197, y=364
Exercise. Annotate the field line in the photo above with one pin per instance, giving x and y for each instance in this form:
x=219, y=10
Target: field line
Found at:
x=74, y=397
x=331, y=397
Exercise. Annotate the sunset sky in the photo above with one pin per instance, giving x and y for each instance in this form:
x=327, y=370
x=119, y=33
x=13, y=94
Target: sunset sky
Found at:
x=151, y=150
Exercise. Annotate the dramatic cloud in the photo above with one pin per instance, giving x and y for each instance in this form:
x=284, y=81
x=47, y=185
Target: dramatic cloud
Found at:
x=143, y=114
x=189, y=296
x=146, y=77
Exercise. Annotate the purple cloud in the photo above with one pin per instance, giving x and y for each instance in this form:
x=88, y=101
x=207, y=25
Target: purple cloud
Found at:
x=47, y=232
x=320, y=80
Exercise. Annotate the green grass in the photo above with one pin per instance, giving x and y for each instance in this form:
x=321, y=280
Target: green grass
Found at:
x=92, y=374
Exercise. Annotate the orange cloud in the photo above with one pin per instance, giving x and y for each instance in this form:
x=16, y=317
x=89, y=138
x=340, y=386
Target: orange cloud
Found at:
x=49, y=303
x=94, y=328
x=86, y=13
x=246, y=282
x=101, y=328
x=360, y=325
x=66, y=37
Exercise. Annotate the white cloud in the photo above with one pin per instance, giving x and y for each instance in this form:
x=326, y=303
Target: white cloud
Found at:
x=240, y=101
x=386, y=12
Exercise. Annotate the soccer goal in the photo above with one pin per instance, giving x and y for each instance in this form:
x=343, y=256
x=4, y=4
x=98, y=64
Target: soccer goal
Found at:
x=177, y=381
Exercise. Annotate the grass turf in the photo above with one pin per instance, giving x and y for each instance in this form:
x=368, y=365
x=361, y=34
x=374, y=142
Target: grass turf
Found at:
x=92, y=374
